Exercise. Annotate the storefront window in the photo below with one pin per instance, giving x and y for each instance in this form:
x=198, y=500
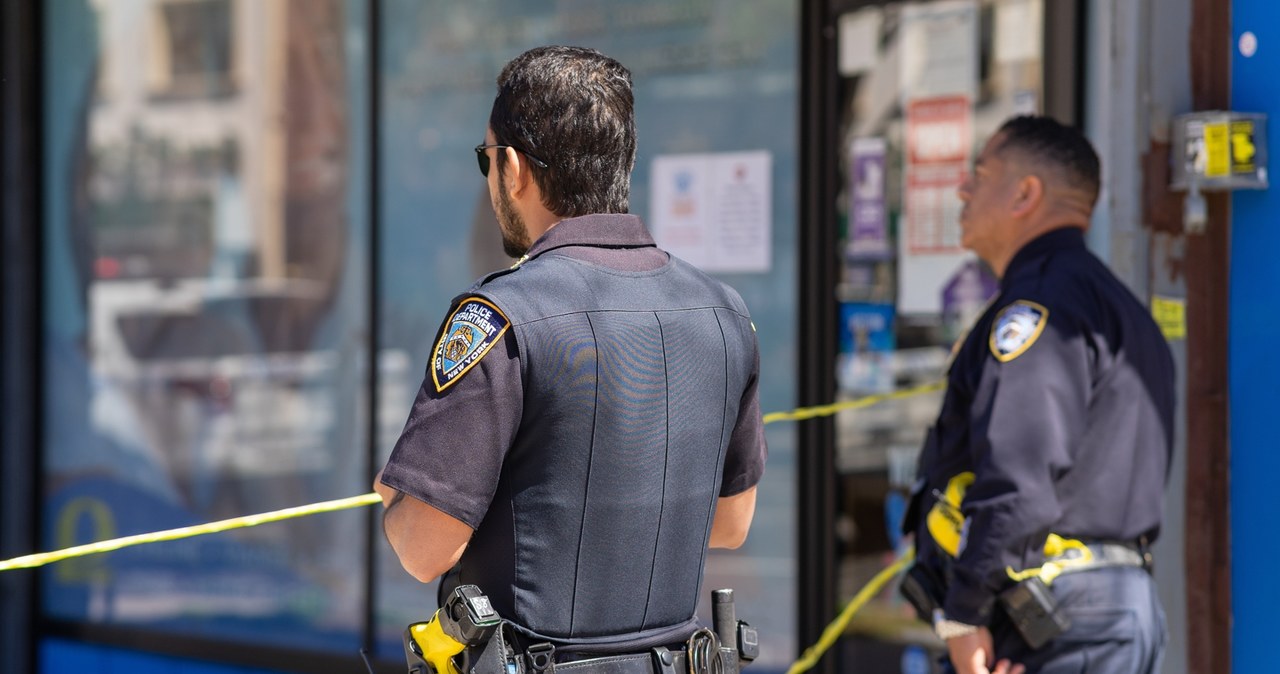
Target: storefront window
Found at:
x=205, y=306
x=207, y=280
x=923, y=84
x=716, y=90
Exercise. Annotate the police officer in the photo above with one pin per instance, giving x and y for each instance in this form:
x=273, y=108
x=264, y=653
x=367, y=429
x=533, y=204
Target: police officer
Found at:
x=589, y=421
x=1049, y=459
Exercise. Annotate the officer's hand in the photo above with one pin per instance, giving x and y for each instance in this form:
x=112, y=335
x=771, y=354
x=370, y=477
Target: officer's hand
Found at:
x=974, y=653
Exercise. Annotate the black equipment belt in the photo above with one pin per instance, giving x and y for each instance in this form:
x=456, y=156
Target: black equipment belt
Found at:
x=1105, y=555
x=702, y=653
x=652, y=662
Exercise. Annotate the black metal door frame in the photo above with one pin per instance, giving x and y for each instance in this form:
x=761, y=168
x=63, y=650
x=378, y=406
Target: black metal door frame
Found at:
x=21, y=319
x=816, y=338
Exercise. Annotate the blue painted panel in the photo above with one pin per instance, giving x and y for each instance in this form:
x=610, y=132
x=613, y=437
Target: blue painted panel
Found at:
x=118, y=661
x=1254, y=355
x=58, y=656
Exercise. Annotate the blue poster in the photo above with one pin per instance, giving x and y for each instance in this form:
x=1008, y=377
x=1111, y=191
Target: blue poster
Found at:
x=865, y=363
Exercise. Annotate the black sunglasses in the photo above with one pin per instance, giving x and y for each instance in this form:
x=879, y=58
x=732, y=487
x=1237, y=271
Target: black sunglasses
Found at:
x=482, y=157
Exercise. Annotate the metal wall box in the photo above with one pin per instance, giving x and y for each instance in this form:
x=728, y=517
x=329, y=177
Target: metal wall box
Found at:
x=1219, y=150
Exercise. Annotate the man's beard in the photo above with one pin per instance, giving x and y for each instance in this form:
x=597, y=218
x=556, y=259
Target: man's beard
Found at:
x=515, y=236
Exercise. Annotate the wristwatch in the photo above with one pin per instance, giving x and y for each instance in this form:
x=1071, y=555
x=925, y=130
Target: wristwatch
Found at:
x=950, y=629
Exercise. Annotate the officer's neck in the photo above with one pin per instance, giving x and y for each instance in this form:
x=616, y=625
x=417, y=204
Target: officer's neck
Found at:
x=536, y=217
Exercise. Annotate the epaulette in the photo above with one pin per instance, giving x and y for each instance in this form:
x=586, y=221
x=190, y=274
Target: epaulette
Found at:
x=501, y=272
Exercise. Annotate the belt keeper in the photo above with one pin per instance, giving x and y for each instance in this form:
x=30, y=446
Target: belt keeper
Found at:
x=664, y=662
x=1144, y=549
x=541, y=658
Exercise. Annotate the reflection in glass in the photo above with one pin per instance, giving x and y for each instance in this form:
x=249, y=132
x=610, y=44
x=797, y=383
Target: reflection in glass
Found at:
x=205, y=284
x=192, y=44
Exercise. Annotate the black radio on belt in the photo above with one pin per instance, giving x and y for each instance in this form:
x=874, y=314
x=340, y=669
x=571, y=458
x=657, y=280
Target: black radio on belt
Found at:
x=1034, y=612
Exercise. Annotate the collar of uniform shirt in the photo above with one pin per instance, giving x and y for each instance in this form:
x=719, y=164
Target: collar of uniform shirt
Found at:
x=1025, y=259
x=622, y=230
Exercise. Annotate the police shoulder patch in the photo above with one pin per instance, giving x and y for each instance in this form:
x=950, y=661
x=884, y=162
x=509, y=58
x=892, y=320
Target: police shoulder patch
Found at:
x=471, y=331
x=1016, y=328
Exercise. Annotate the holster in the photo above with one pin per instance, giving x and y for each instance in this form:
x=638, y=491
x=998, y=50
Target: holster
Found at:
x=924, y=589
x=493, y=656
x=1034, y=612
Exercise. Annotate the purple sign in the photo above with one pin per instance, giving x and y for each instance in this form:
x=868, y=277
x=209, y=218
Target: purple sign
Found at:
x=965, y=295
x=868, y=217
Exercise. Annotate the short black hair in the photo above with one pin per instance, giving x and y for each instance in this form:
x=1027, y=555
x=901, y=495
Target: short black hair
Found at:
x=1046, y=140
x=573, y=109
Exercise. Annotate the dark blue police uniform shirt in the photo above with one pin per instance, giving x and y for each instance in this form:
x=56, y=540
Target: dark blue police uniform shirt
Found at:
x=451, y=451
x=1060, y=401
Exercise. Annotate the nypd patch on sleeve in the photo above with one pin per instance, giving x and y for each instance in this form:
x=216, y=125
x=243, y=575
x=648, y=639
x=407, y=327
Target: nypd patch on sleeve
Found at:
x=1016, y=328
x=473, y=328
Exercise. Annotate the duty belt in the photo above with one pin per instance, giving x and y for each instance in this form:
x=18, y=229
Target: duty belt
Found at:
x=657, y=661
x=1103, y=555
x=703, y=653
x=467, y=636
x=1067, y=555
x=1031, y=607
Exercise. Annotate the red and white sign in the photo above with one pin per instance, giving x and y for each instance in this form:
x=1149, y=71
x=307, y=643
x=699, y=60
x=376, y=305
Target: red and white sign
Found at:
x=938, y=130
x=939, y=138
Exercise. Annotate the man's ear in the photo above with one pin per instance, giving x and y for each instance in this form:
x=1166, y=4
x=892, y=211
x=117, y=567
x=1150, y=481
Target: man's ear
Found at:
x=517, y=172
x=1028, y=196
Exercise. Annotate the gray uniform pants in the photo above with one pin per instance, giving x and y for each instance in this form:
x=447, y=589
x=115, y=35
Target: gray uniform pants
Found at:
x=1117, y=627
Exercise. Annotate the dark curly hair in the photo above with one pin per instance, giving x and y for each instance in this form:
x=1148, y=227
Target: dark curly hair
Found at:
x=573, y=109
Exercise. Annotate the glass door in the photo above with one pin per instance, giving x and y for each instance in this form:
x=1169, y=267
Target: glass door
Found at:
x=917, y=88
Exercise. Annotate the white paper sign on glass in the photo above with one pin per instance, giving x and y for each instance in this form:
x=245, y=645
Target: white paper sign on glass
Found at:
x=714, y=210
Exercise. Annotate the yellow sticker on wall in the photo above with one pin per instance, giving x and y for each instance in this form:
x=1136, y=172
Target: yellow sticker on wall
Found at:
x=1218, y=150
x=1243, y=147
x=1171, y=315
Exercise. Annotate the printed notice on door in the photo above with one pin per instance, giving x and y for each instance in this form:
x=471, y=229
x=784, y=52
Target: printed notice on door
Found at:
x=714, y=210
x=938, y=143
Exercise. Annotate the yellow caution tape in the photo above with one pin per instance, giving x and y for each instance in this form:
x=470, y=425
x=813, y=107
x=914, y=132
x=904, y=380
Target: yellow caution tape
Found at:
x=833, y=631
x=828, y=410
x=40, y=559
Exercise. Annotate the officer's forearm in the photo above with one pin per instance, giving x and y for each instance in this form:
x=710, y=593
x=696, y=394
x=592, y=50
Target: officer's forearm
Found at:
x=733, y=519
x=427, y=541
